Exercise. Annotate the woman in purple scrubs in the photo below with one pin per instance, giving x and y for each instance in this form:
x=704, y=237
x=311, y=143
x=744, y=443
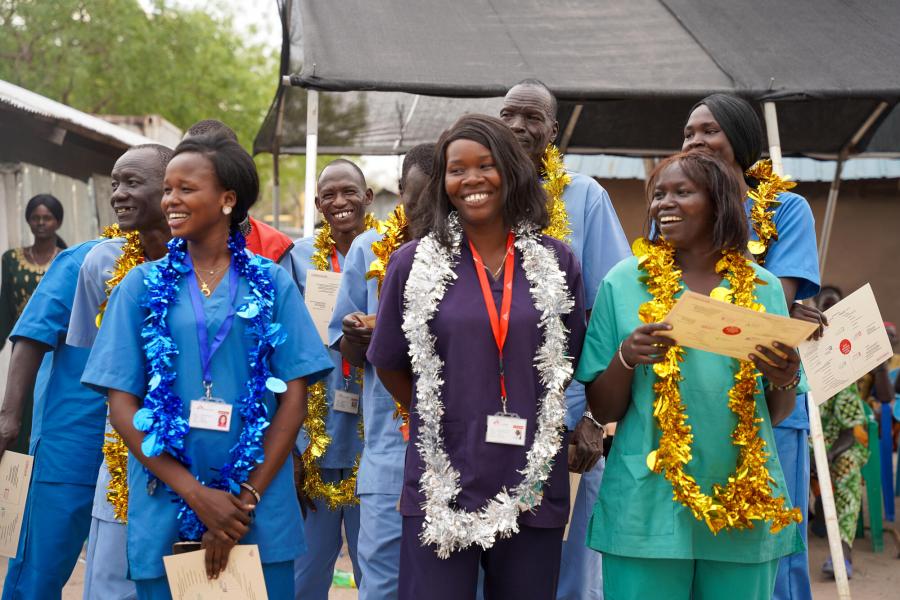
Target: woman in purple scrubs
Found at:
x=478, y=329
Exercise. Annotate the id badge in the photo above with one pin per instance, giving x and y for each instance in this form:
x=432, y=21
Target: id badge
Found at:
x=346, y=402
x=506, y=429
x=212, y=414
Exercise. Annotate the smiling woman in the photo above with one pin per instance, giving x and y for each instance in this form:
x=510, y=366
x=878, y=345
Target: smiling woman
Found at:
x=253, y=371
x=714, y=414
x=476, y=327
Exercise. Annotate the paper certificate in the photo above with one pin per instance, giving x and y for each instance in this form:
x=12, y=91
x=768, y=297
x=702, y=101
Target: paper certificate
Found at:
x=321, y=296
x=854, y=343
x=703, y=323
x=15, y=477
x=242, y=579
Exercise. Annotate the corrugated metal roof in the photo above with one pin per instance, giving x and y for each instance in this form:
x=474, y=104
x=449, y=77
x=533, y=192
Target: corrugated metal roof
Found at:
x=33, y=103
x=606, y=166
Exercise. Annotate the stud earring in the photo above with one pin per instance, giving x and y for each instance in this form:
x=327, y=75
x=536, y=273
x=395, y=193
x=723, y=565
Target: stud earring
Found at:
x=226, y=210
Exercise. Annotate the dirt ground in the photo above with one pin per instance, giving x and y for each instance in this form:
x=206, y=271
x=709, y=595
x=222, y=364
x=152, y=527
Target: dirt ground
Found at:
x=875, y=576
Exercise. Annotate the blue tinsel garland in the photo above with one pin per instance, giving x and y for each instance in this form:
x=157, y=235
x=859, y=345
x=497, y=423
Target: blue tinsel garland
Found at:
x=161, y=415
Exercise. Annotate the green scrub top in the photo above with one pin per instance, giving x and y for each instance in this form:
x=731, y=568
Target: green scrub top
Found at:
x=635, y=514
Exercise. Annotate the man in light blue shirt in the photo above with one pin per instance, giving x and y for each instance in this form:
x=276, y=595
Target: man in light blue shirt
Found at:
x=380, y=476
x=137, y=190
x=342, y=195
x=597, y=239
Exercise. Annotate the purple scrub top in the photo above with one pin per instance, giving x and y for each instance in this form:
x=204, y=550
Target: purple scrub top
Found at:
x=471, y=388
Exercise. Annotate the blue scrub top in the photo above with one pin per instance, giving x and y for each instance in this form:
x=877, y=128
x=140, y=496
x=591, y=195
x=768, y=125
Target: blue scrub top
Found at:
x=381, y=468
x=342, y=428
x=117, y=361
x=795, y=254
x=68, y=417
x=90, y=292
x=599, y=244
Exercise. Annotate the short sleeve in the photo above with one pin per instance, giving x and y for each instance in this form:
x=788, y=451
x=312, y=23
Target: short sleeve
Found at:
x=117, y=359
x=90, y=292
x=46, y=316
x=389, y=348
x=602, y=337
x=302, y=354
x=605, y=243
x=353, y=293
x=795, y=253
x=575, y=320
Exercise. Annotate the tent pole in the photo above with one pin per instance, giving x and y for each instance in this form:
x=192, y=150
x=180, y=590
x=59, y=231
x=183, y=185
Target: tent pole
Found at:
x=831, y=207
x=771, y=115
x=815, y=420
x=831, y=522
x=570, y=128
x=276, y=171
x=312, y=153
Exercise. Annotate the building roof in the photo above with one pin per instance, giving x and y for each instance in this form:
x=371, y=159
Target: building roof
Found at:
x=69, y=118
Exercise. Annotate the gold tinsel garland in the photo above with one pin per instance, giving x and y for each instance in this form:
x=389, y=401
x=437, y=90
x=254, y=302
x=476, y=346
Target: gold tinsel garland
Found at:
x=747, y=496
x=762, y=211
x=394, y=233
x=343, y=492
x=114, y=449
x=556, y=178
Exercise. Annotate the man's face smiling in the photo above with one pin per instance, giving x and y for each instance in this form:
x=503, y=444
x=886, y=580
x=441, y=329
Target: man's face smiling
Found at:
x=342, y=197
x=528, y=111
x=137, y=188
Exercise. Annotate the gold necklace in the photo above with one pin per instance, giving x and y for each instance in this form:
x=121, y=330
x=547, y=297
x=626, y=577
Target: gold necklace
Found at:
x=204, y=286
x=29, y=254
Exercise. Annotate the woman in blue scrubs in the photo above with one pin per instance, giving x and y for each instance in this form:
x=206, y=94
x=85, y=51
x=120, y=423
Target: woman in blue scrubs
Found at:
x=206, y=355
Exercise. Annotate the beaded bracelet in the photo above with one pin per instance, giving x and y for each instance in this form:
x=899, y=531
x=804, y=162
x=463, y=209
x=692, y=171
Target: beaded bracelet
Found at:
x=789, y=386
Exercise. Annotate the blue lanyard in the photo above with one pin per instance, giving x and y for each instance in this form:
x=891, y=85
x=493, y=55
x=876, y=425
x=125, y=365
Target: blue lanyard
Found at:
x=206, y=349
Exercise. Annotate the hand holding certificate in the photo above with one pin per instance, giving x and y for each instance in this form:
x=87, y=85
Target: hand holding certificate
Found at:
x=704, y=323
x=854, y=343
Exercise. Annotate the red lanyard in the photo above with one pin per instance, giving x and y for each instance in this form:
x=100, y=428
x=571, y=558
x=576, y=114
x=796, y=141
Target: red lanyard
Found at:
x=336, y=267
x=499, y=325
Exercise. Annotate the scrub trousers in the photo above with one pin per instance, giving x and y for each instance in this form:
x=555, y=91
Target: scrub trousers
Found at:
x=792, y=582
x=581, y=570
x=522, y=567
x=106, y=574
x=627, y=578
x=378, y=548
x=55, y=524
x=279, y=583
x=313, y=571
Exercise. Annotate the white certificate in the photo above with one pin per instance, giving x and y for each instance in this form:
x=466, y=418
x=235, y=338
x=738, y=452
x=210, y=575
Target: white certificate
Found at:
x=704, y=323
x=242, y=579
x=15, y=477
x=854, y=343
x=321, y=296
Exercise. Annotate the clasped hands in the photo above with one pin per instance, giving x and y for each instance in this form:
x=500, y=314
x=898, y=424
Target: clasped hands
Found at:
x=227, y=519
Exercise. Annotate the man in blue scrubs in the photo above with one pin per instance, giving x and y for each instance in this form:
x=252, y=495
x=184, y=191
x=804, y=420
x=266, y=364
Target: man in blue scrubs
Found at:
x=137, y=186
x=380, y=477
x=343, y=196
x=597, y=239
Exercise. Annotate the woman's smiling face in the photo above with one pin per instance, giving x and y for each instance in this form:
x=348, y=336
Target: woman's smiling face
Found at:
x=473, y=183
x=193, y=198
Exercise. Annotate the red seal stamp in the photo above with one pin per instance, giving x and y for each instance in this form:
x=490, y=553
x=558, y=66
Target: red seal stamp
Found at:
x=731, y=330
x=846, y=347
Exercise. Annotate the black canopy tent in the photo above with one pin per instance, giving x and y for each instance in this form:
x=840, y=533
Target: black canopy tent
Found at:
x=625, y=74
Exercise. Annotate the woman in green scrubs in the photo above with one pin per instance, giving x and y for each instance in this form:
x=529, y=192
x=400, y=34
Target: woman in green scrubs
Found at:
x=653, y=545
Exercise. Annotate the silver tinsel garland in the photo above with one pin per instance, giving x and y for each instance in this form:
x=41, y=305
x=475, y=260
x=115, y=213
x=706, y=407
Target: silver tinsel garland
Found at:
x=450, y=528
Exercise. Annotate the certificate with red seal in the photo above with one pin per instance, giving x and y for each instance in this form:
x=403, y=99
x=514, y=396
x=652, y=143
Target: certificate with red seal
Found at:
x=705, y=323
x=854, y=343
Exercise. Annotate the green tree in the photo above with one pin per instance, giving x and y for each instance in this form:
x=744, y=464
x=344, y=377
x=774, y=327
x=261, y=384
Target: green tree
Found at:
x=113, y=57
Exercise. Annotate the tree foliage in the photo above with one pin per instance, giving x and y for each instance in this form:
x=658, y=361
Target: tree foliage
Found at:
x=115, y=57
